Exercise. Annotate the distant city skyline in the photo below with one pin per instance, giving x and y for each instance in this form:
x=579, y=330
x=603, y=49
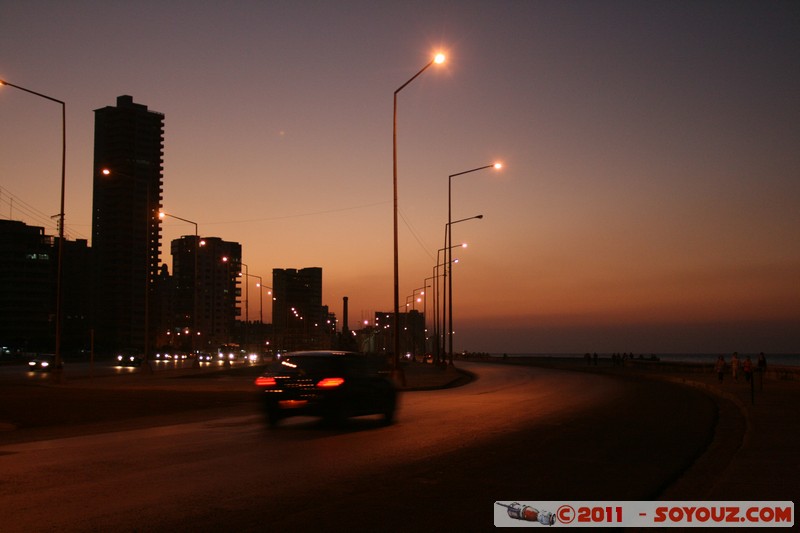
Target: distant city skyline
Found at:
x=648, y=200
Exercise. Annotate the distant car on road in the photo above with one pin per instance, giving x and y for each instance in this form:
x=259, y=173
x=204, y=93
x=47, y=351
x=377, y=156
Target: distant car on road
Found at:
x=42, y=363
x=129, y=360
x=204, y=357
x=332, y=385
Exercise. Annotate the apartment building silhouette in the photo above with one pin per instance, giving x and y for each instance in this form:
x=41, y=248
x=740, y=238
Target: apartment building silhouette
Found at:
x=128, y=174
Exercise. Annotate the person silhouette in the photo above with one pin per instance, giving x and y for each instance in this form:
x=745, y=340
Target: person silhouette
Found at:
x=719, y=367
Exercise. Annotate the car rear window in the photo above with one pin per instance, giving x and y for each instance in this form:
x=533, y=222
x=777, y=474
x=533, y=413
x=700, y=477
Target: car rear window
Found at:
x=308, y=364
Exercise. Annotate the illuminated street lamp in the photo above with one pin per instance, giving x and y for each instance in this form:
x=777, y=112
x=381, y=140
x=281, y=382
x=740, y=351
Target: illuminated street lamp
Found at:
x=439, y=58
x=59, y=272
x=414, y=300
x=421, y=291
x=260, y=285
x=197, y=244
x=439, y=331
x=442, y=348
x=497, y=166
x=246, y=298
x=425, y=304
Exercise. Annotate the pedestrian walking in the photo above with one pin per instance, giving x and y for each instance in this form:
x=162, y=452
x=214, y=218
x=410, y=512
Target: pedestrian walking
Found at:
x=719, y=367
x=735, y=366
x=762, y=363
x=747, y=368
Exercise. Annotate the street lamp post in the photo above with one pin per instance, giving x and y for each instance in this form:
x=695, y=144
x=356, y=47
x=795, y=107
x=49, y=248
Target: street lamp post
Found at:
x=425, y=305
x=59, y=269
x=438, y=59
x=450, y=243
x=246, y=298
x=414, y=300
x=439, y=329
x=444, y=290
x=449, y=282
x=261, y=287
x=161, y=215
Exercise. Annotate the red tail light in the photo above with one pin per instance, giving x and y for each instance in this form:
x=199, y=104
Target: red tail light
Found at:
x=330, y=383
x=264, y=381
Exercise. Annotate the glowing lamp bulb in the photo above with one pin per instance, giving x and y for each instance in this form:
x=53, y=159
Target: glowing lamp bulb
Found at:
x=439, y=58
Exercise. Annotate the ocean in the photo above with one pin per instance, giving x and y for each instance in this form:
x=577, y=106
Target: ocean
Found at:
x=772, y=359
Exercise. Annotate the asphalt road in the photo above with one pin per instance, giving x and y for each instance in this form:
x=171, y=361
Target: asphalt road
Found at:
x=516, y=433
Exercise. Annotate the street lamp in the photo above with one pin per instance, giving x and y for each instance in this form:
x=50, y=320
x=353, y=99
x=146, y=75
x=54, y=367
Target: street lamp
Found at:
x=448, y=232
x=246, y=298
x=197, y=245
x=497, y=166
x=414, y=300
x=425, y=304
x=260, y=285
x=421, y=291
x=439, y=58
x=444, y=289
x=59, y=269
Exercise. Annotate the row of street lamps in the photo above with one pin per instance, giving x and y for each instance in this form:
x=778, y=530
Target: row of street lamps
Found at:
x=438, y=59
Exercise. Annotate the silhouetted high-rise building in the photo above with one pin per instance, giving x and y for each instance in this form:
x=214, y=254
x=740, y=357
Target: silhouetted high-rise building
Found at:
x=28, y=260
x=299, y=319
x=129, y=145
x=217, y=265
x=27, y=287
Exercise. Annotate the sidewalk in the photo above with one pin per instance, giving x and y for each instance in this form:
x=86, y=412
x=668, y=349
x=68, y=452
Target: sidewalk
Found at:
x=758, y=461
x=766, y=465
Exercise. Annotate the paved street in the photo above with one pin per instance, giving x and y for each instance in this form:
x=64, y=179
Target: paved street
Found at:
x=520, y=433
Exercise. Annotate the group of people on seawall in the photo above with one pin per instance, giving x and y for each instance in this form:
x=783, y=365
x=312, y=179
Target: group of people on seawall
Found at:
x=737, y=366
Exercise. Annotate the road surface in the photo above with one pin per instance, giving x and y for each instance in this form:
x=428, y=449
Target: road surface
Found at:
x=516, y=433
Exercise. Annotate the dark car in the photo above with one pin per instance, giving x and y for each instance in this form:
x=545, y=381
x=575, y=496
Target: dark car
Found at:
x=124, y=359
x=332, y=385
x=42, y=363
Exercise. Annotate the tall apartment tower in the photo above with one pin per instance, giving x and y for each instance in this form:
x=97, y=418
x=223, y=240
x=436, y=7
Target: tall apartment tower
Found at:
x=128, y=174
x=214, y=297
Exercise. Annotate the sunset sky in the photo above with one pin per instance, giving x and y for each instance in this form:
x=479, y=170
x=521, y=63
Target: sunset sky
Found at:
x=649, y=200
